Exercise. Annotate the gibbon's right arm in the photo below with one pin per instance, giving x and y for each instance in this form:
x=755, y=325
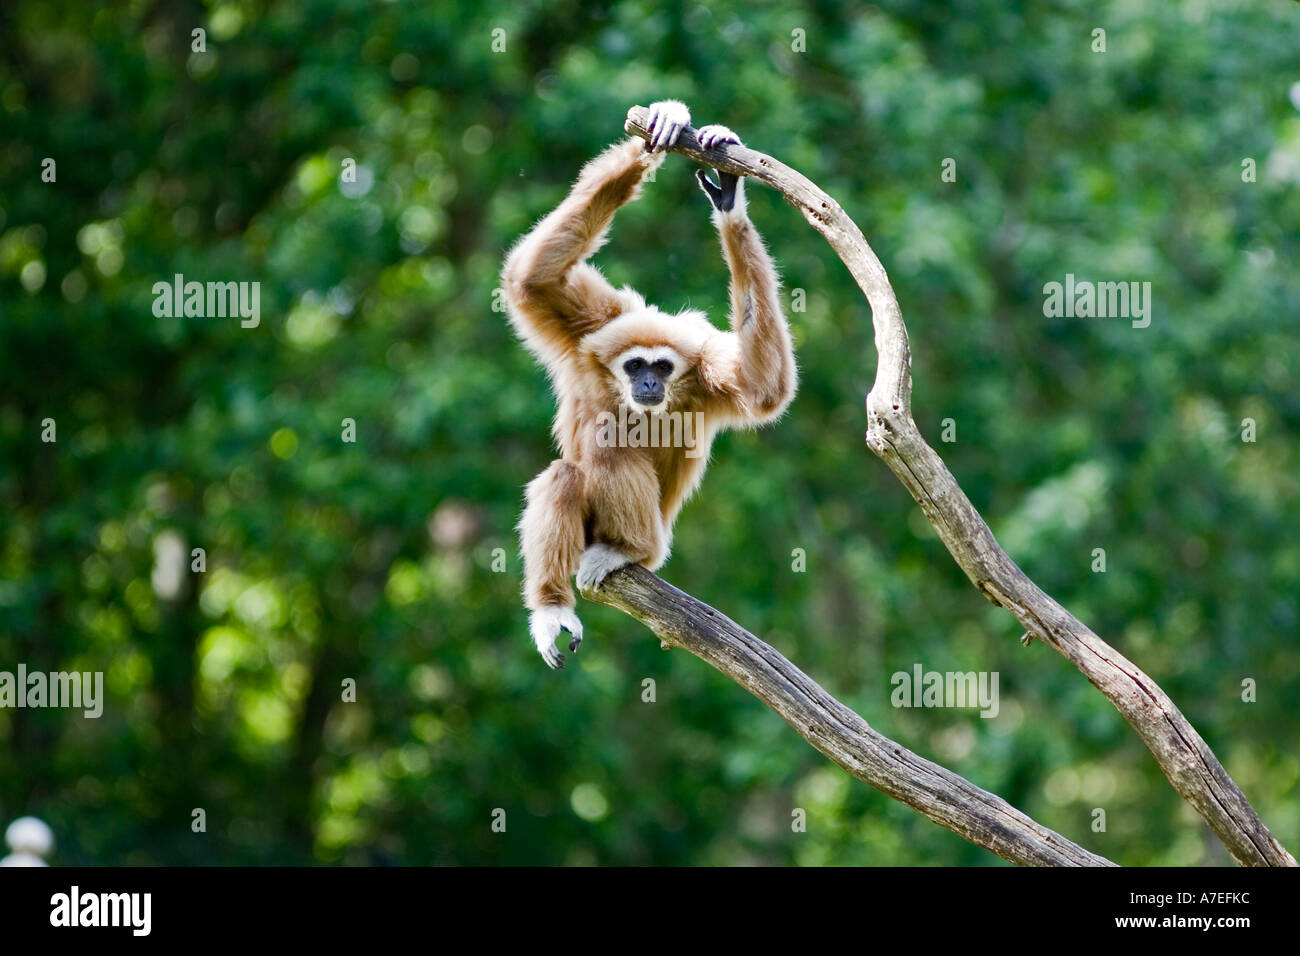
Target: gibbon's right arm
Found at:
x=762, y=380
x=555, y=296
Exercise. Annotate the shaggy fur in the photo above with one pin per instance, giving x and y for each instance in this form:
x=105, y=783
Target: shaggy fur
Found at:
x=577, y=324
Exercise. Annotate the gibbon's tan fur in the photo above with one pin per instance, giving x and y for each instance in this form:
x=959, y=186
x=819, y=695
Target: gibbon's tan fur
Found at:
x=577, y=324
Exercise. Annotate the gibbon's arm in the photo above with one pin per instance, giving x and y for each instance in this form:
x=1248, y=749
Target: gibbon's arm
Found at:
x=555, y=296
x=763, y=380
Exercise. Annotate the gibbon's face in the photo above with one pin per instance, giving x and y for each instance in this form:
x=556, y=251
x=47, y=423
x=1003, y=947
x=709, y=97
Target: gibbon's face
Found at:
x=647, y=374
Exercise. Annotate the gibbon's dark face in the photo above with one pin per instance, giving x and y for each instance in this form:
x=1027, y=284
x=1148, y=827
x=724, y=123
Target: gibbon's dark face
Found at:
x=647, y=375
x=647, y=379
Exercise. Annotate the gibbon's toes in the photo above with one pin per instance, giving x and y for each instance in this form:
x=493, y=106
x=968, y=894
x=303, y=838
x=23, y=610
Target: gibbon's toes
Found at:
x=545, y=625
x=597, y=563
x=569, y=622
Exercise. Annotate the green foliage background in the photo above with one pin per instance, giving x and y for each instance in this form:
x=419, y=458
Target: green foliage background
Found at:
x=373, y=560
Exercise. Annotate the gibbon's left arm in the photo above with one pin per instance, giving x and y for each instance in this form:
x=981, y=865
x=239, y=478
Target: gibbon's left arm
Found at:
x=761, y=381
x=555, y=296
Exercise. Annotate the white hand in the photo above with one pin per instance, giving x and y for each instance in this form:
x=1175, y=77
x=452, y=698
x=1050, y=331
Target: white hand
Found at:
x=667, y=120
x=715, y=135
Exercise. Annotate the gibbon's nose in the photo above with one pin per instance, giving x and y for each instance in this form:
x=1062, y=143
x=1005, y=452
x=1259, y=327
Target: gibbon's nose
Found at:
x=647, y=389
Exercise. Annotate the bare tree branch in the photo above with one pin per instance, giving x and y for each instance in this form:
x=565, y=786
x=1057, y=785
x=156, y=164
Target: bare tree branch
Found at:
x=839, y=733
x=1186, y=760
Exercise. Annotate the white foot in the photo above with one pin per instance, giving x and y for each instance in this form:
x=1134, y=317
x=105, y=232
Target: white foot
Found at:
x=545, y=625
x=597, y=563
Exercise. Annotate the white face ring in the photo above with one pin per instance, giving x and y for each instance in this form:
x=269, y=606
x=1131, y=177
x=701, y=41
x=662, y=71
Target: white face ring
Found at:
x=649, y=355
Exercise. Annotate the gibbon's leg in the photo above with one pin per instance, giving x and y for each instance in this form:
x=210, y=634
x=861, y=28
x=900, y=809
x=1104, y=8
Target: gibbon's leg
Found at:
x=555, y=296
x=765, y=377
x=628, y=527
x=552, y=536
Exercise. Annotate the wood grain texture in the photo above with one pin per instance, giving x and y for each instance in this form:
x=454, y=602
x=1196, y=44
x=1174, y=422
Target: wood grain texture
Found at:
x=1182, y=755
x=949, y=800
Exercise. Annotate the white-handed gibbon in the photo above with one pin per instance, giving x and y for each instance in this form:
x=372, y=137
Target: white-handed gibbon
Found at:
x=609, y=501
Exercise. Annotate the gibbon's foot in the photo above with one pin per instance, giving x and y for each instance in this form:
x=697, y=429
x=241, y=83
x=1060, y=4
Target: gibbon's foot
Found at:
x=667, y=120
x=597, y=563
x=545, y=625
x=715, y=135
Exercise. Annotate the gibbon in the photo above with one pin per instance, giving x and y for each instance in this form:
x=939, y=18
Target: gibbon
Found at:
x=611, y=500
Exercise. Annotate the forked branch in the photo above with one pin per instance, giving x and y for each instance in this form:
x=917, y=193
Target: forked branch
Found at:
x=1186, y=760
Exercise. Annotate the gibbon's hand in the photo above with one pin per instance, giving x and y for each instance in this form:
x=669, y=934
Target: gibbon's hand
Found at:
x=715, y=135
x=667, y=120
x=723, y=195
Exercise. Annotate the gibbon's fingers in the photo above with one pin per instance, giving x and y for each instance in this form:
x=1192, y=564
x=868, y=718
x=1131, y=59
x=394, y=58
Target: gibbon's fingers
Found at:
x=722, y=195
x=715, y=135
x=667, y=120
x=670, y=135
x=710, y=189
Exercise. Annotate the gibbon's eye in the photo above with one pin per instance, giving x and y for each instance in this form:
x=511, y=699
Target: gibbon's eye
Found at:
x=633, y=365
x=664, y=367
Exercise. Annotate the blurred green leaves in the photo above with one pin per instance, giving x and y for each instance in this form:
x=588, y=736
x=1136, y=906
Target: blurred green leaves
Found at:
x=376, y=561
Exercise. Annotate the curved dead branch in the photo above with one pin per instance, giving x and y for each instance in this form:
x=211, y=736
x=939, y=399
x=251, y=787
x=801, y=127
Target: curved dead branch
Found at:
x=838, y=732
x=1186, y=760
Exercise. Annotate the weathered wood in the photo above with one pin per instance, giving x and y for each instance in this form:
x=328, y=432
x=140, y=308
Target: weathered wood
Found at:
x=842, y=735
x=1182, y=755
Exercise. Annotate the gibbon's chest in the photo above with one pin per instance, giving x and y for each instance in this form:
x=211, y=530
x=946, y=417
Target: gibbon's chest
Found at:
x=673, y=464
x=680, y=469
